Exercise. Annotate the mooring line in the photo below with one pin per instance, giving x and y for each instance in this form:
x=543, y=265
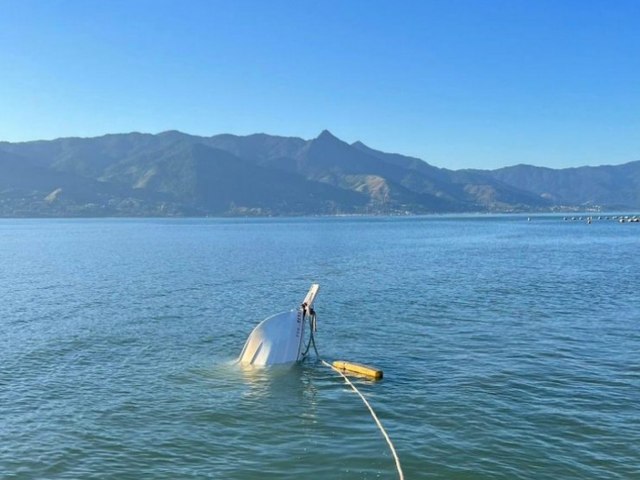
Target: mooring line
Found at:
x=375, y=417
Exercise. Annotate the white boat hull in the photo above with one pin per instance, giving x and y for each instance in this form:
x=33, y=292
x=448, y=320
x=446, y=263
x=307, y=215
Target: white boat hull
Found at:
x=278, y=339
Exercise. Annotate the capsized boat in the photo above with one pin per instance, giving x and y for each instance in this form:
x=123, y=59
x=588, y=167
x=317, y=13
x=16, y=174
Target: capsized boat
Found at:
x=279, y=338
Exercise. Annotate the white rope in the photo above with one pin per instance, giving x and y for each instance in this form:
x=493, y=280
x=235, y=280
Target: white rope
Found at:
x=375, y=417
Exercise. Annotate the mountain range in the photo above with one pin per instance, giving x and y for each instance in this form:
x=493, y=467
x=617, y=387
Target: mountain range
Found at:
x=176, y=174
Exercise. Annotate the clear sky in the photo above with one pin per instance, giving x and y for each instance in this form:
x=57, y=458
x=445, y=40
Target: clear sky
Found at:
x=458, y=83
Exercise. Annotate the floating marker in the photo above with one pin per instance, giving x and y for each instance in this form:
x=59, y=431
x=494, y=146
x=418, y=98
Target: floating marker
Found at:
x=357, y=368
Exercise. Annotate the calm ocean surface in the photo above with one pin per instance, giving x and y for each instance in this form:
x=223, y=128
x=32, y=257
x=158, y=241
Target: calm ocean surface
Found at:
x=511, y=349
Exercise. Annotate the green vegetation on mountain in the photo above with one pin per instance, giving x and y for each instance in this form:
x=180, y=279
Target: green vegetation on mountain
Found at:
x=176, y=174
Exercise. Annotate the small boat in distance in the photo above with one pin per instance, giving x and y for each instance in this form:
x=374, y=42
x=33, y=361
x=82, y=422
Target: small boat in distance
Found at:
x=279, y=338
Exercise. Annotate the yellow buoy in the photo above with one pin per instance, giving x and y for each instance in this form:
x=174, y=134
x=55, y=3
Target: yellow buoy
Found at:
x=358, y=368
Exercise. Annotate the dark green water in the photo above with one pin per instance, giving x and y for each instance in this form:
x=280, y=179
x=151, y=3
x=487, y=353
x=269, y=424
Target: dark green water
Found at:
x=511, y=349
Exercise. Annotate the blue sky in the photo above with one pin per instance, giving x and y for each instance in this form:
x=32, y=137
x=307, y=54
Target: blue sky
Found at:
x=458, y=83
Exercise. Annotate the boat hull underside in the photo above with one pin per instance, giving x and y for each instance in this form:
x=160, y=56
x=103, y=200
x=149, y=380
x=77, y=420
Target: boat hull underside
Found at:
x=276, y=340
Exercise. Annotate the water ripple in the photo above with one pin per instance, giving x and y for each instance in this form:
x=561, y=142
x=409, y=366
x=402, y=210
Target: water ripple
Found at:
x=511, y=349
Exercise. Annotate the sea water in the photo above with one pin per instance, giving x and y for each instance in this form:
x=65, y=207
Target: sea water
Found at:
x=510, y=348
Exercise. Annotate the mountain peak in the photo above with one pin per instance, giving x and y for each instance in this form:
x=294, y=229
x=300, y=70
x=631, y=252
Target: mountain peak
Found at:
x=173, y=134
x=326, y=135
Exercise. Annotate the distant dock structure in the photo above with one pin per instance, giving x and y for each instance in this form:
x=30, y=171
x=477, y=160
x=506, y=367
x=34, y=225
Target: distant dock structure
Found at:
x=616, y=218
